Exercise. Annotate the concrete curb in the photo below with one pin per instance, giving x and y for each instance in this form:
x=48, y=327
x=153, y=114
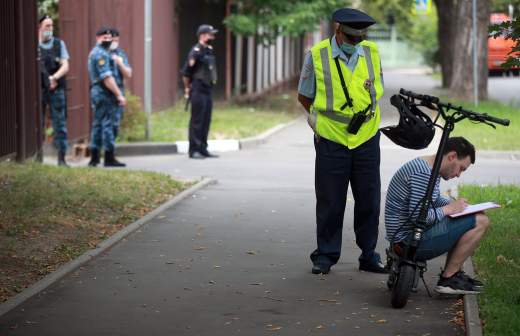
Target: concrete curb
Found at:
x=501, y=155
x=102, y=247
x=471, y=311
x=252, y=142
x=162, y=148
x=144, y=148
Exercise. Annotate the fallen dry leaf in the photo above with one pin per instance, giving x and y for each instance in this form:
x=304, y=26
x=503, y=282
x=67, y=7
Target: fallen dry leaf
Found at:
x=501, y=259
x=381, y=321
x=327, y=300
x=273, y=328
x=320, y=327
x=251, y=252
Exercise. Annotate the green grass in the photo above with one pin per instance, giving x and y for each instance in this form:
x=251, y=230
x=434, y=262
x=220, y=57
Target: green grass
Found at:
x=49, y=215
x=497, y=260
x=487, y=138
x=229, y=121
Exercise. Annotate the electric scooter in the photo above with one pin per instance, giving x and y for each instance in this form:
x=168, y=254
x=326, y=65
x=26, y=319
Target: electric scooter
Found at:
x=404, y=269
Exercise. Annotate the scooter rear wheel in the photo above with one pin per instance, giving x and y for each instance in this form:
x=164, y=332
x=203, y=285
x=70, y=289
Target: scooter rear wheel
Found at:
x=403, y=286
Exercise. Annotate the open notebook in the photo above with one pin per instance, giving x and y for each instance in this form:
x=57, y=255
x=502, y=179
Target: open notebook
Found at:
x=476, y=208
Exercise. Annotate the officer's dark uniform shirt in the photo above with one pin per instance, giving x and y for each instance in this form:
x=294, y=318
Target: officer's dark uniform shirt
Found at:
x=201, y=68
x=100, y=66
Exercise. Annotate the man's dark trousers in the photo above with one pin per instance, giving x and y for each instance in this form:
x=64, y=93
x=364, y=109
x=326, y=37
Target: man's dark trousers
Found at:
x=201, y=107
x=336, y=166
x=57, y=102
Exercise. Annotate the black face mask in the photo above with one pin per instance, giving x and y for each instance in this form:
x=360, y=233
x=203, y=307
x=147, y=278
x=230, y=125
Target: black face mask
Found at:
x=209, y=41
x=105, y=44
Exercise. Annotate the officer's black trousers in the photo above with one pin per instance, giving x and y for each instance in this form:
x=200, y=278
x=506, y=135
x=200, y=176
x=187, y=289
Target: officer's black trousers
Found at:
x=201, y=106
x=336, y=166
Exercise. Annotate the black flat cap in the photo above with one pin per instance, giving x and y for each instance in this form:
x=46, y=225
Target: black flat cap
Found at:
x=104, y=31
x=353, y=18
x=205, y=28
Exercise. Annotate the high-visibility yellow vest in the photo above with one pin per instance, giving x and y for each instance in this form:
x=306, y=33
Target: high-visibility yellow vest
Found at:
x=331, y=114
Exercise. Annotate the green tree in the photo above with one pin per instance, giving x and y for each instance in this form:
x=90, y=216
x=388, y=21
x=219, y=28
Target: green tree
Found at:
x=270, y=18
x=415, y=28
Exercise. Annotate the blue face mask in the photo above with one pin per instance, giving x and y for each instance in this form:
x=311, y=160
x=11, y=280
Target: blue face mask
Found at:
x=348, y=49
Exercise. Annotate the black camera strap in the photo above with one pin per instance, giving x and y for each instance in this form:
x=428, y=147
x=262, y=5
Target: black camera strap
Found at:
x=344, y=86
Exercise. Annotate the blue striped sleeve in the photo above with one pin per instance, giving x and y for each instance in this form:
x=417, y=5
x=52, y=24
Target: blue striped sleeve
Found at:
x=418, y=183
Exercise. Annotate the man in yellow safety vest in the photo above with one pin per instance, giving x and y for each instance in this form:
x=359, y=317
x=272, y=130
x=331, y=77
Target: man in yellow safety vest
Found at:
x=340, y=84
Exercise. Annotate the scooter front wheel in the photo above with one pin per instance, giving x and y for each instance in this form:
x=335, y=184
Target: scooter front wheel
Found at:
x=403, y=285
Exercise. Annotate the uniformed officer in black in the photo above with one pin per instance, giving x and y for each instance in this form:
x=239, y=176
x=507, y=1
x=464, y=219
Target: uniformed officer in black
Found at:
x=54, y=59
x=199, y=75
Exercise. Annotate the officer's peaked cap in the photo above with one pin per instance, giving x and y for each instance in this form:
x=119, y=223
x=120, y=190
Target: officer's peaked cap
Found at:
x=104, y=31
x=114, y=31
x=205, y=28
x=353, y=18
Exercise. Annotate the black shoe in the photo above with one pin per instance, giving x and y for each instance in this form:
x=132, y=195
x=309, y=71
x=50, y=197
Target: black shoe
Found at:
x=197, y=156
x=94, y=158
x=374, y=266
x=320, y=269
x=474, y=282
x=111, y=161
x=208, y=154
x=455, y=285
x=61, y=160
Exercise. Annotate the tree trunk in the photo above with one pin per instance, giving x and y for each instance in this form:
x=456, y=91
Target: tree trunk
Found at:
x=446, y=33
x=462, y=74
x=483, y=13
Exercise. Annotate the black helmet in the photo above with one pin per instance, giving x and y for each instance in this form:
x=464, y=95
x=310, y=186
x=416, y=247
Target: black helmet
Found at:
x=415, y=129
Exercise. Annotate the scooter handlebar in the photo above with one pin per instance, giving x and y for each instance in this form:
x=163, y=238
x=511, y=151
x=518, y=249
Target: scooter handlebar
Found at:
x=414, y=95
x=469, y=114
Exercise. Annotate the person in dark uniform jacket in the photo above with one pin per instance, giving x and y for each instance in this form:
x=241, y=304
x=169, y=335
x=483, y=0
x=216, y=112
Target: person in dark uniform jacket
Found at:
x=199, y=75
x=54, y=67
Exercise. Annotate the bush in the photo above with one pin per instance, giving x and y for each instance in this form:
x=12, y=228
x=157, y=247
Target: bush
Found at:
x=134, y=119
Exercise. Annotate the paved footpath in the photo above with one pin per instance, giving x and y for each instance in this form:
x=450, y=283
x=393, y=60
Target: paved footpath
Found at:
x=233, y=260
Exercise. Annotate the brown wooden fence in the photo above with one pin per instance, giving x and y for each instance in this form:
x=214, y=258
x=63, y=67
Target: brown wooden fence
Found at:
x=20, y=131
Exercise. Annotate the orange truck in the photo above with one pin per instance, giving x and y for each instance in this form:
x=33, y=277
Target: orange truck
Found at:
x=499, y=48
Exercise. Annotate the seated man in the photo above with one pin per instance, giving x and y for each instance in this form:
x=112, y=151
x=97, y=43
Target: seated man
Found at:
x=457, y=236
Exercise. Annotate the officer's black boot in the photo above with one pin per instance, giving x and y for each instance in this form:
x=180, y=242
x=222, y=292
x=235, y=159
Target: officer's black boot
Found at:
x=94, y=158
x=110, y=160
x=61, y=159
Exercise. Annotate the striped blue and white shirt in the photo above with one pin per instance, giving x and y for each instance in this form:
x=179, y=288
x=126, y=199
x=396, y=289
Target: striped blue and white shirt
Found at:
x=407, y=188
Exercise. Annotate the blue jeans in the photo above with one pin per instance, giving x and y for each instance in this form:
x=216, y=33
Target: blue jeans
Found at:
x=443, y=236
x=58, y=107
